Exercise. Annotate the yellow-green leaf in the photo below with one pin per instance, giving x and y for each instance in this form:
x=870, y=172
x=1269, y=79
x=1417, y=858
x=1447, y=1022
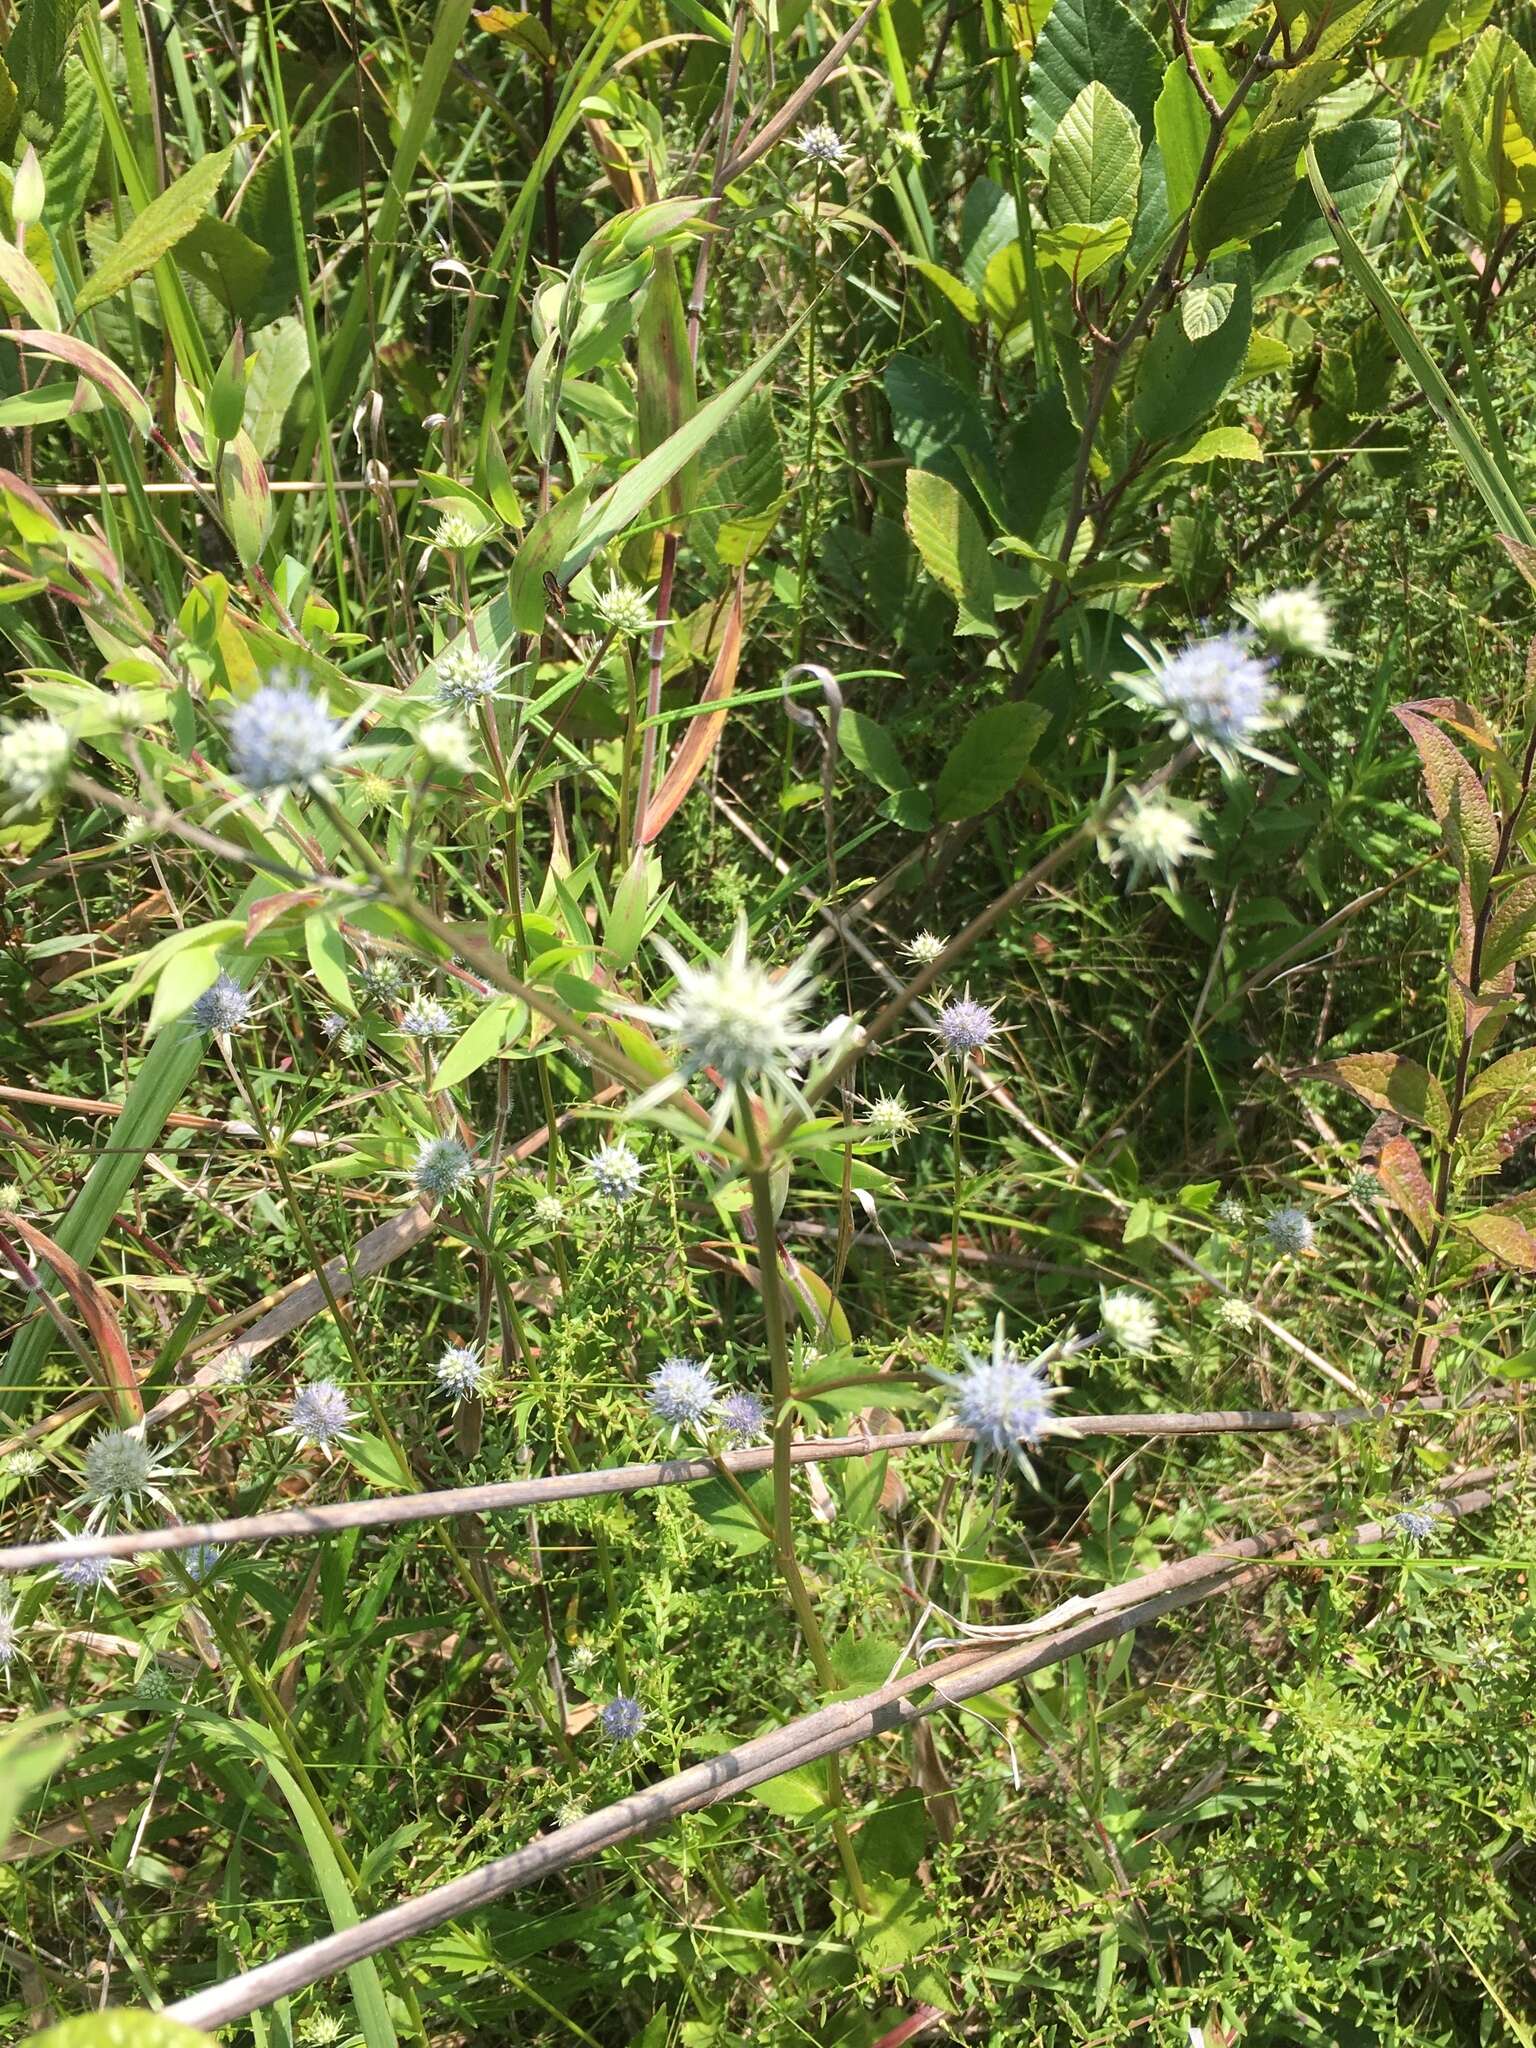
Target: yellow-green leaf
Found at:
x=170, y=216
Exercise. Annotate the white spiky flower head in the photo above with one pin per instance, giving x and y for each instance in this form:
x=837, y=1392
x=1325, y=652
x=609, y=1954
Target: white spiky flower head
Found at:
x=615, y=1171
x=447, y=743
x=468, y=676
x=119, y=1468
x=734, y=1019
x=83, y=1576
x=10, y=1638
x=1234, y=1314
x=1214, y=692
x=1293, y=622
x=1002, y=1398
x=923, y=950
x=821, y=144
x=461, y=1371
x=1290, y=1231
x=25, y=1463
x=1153, y=836
x=34, y=764
x=424, y=1017
x=682, y=1394
x=457, y=529
x=624, y=609
x=890, y=1120
x=283, y=736
x=319, y=1415
x=1130, y=1321
x=549, y=1210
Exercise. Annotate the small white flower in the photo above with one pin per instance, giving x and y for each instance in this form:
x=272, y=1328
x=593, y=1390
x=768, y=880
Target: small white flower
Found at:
x=821, y=144
x=10, y=1638
x=467, y=677
x=447, y=743
x=1130, y=1321
x=615, y=1172
x=1234, y=1315
x=682, y=1393
x=461, y=1371
x=623, y=609
x=924, y=949
x=34, y=764
x=457, y=529
x=319, y=1414
x=119, y=1466
x=549, y=1211
x=1152, y=835
x=889, y=1119
x=733, y=1018
x=1293, y=622
x=444, y=1168
x=1289, y=1231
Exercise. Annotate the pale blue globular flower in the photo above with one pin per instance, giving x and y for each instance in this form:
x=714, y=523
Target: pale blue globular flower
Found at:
x=963, y=1026
x=119, y=1467
x=200, y=1562
x=319, y=1415
x=444, y=1168
x=732, y=1018
x=741, y=1417
x=333, y=1025
x=821, y=144
x=461, y=1371
x=1417, y=1524
x=423, y=1017
x=1289, y=1231
x=283, y=736
x=615, y=1172
x=1130, y=1321
x=468, y=677
x=1002, y=1399
x=682, y=1394
x=1214, y=692
x=84, y=1575
x=10, y=1638
x=622, y=1718
x=224, y=1007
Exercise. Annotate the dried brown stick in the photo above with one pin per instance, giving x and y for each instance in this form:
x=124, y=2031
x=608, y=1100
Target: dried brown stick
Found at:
x=804, y=1740
x=391, y=1510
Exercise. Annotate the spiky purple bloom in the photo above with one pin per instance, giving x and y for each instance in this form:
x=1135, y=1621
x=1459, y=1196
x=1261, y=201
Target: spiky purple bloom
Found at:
x=201, y=1561
x=1419, y=1523
x=1215, y=692
x=682, y=1393
x=622, y=1719
x=224, y=1007
x=741, y=1417
x=85, y=1574
x=1002, y=1399
x=424, y=1018
x=283, y=737
x=963, y=1026
x=1289, y=1230
x=319, y=1415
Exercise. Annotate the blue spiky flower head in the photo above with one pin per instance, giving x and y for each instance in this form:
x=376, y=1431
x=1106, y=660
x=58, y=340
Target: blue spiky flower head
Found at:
x=224, y=1007
x=200, y=1562
x=682, y=1394
x=962, y=1027
x=283, y=736
x=119, y=1467
x=467, y=677
x=1214, y=692
x=741, y=1417
x=1289, y=1230
x=821, y=144
x=423, y=1017
x=615, y=1171
x=1003, y=1399
x=319, y=1414
x=444, y=1168
x=85, y=1575
x=622, y=1719
x=1418, y=1523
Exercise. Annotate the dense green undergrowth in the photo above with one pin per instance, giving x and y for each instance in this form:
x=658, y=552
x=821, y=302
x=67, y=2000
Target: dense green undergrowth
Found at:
x=731, y=725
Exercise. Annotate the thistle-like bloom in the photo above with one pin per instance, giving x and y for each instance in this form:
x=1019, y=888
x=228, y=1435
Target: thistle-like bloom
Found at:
x=1293, y=622
x=319, y=1414
x=622, y=1719
x=321, y=2029
x=549, y=1211
x=615, y=1172
x=734, y=1018
x=447, y=743
x=963, y=1027
x=890, y=1120
x=34, y=764
x=155, y=1684
x=119, y=1466
x=623, y=609
x=461, y=1371
x=1155, y=837
x=283, y=737
x=1234, y=1315
x=10, y=1638
x=741, y=1417
x=1289, y=1231
x=1215, y=692
x=1002, y=1399
x=25, y=1463
x=821, y=144
x=200, y=1562
x=1130, y=1321
x=468, y=677
x=223, y=1008
x=382, y=978
x=1231, y=1211
x=444, y=1168
x=925, y=948
x=1364, y=1185
x=1417, y=1524
x=84, y=1575
x=682, y=1393
x=422, y=1017
x=333, y=1025
x=457, y=530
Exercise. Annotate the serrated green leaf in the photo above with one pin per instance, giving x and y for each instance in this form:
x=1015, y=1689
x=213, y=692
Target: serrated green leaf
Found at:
x=1249, y=188
x=988, y=759
x=1204, y=307
x=167, y=219
x=948, y=536
x=1082, y=250
x=872, y=750
x=1183, y=125
x=1095, y=167
x=1084, y=40
x=1181, y=382
x=1222, y=444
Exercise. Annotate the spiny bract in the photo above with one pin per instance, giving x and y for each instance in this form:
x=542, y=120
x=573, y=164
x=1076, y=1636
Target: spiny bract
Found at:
x=444, y=1167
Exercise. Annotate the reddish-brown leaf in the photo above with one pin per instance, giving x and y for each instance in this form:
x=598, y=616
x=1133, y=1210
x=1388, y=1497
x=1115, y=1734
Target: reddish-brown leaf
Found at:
x=1388, y=1081
x=95, y=1310
x=703, y=731
x=1406, y=1185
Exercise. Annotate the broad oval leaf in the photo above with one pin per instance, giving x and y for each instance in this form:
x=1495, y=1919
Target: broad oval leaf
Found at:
x=988, y=759
x=1386, y=1080
x=948, y=536
x=1095, y=171
x=167, y=219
